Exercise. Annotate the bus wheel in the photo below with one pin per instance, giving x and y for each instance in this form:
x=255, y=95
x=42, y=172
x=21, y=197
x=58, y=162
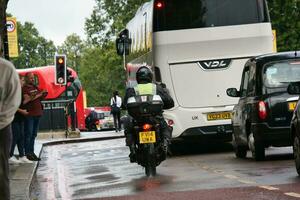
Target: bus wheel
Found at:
x=257, y=148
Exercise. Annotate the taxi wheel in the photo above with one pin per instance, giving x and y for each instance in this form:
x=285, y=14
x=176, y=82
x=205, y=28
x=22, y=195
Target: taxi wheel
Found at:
x=257, y=148
x=296, y=148
x=240, y=151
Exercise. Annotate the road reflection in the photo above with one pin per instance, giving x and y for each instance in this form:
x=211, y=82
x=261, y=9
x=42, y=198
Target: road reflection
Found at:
x=149, y=184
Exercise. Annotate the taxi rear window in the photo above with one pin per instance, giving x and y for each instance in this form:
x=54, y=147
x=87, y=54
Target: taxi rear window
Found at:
x=280, y=74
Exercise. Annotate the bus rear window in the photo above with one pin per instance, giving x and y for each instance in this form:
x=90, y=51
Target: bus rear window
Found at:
x=178, y=14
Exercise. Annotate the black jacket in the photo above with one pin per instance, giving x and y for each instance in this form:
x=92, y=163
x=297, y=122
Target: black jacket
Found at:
x=162, y=92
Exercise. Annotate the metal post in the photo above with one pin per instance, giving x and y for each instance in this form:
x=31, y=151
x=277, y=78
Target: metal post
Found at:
x=73, y=116
x=5, y=39
x=66, y=111
x=124, y=55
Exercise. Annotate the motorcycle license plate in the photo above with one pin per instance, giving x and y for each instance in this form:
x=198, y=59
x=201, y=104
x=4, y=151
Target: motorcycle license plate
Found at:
x=147, y=137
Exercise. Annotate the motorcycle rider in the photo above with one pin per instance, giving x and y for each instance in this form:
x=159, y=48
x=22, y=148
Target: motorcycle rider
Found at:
x=145, y=86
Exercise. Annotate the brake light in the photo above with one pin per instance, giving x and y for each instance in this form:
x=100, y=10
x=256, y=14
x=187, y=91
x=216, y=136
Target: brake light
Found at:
x=159, y=4
x=147, y=127
x=262, y=110
x=97, y=122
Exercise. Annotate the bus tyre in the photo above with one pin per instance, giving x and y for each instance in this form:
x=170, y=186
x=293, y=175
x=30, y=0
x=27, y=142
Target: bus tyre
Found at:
x=257, y=148
x=296, y=149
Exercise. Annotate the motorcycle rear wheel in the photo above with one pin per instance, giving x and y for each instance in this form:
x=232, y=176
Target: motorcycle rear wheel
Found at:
x=150, y=168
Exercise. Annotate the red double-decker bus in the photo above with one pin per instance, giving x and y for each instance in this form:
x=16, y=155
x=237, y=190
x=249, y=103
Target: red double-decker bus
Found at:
x=59, y=98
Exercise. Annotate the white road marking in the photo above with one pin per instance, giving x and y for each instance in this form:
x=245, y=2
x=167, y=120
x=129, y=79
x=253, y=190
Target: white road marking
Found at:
x=246, y=182
x=231, y=176
x=268, y=187
x=292, y=194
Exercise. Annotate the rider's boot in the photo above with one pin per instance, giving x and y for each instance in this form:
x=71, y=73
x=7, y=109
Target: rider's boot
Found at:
x=132, y=154
x=165, y=146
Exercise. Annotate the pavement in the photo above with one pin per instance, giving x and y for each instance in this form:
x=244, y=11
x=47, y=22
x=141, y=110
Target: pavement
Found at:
x=21, y=174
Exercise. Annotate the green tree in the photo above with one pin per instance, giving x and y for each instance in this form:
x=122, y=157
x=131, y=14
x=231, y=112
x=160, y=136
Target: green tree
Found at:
x=46, y=50
x=101, y=74
x=72, y=47
x=283, y=16
x=34, y=50
x=101, y=60
x=108, y=18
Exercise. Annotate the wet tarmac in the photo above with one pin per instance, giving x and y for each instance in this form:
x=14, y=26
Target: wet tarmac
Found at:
x=94, y=170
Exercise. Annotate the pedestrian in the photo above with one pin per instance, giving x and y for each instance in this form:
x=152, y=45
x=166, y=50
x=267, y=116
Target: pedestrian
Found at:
x=115, y=104
x=18, y=133
x=32, y=103
x=10, y=99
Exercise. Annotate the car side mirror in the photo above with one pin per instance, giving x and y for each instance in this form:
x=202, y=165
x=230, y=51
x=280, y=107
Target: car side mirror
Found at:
x=294, y=88
x=232, y=92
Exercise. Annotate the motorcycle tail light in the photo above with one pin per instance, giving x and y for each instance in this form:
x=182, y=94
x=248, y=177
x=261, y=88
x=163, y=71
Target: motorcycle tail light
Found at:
x=262, y=110
x=147, y=127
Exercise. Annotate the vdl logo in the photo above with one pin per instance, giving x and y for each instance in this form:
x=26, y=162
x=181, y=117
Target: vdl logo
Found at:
x=214, y=64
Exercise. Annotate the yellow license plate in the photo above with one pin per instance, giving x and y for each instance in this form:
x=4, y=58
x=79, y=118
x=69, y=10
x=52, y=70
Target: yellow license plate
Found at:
x=147, y=137
x=219, y=116
x=292, y=105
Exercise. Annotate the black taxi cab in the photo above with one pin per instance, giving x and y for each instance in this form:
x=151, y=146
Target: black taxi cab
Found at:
x=263, y=114
x=294, y=88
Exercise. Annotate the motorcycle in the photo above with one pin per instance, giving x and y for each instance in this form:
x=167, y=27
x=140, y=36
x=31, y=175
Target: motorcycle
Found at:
x=146, y=112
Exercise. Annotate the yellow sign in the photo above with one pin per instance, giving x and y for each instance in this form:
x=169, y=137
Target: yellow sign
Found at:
x=11, y=24
x=274, y=41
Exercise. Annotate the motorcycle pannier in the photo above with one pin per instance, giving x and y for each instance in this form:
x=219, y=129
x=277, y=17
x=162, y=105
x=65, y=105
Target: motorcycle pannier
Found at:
x=144, y=105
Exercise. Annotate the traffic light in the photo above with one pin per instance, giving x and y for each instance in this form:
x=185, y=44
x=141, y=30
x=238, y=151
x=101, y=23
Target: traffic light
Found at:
x=60, y=70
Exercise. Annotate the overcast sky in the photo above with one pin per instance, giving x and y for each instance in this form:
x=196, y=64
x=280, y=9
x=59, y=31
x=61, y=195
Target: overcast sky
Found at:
x=54, y=19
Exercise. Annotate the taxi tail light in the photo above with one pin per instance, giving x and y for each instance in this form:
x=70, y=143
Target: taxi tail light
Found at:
x=147, y=127
x=97, y=122
x=262, y=110
x=159, y=4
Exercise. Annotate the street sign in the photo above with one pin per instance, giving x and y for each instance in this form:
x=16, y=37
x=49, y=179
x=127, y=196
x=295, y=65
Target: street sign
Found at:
x=11, y=25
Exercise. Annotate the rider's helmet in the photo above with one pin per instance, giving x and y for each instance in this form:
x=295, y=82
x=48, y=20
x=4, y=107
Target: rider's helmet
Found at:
x=144, y=75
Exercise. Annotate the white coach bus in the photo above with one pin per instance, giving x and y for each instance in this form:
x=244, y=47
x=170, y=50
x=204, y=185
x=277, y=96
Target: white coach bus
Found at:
x=198, y=49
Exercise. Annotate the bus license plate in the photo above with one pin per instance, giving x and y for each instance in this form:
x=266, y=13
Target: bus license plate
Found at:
x=292, y=105
x=218, y=116
x=147, y=137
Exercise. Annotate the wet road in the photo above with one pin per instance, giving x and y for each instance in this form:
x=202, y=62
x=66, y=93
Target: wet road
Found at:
x=102, y=169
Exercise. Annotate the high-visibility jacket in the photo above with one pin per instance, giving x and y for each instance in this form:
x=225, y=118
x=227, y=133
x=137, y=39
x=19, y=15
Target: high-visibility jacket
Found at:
x=145, y=89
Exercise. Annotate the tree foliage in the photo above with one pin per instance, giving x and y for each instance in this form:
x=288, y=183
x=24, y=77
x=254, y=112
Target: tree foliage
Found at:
x=101, y=74
x=108, y=18
x=285, y=17
x=101, y=68
x=34, y=50
x=72, y=47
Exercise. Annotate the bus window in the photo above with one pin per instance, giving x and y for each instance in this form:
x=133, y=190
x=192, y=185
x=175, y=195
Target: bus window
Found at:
x=209, y=13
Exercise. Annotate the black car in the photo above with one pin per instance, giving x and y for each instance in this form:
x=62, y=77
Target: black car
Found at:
x=263, y=114
x=294, y=88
